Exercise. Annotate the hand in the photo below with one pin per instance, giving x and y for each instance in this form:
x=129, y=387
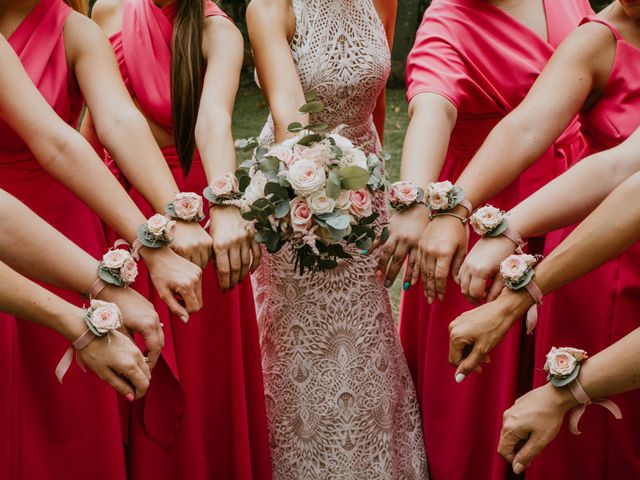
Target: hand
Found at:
x=174, y=276
x=193, y=243
x=234, y=250
x=474, y=334
x=442, y=247
x=139, y=316
x=405, y=229
x=483, y=263
x=117, y=361
x=531, y=423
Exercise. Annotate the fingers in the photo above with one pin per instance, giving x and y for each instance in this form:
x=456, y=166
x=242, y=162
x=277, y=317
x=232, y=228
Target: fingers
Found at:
x=441, y=273
x=456, y=263
x=118, y=384
x=154, y=341
x=428, y=277
x=235, y=262
x=471, y=363
x=223, y=269
x=245, y=257
x=410, y=270
x=478, y=287
x=386, y=253
x=174, y=305
x=465, y=281
x=496, y=288
x=509, y=442
x=397, y=260
x=532, y=447
x=256, y=254
x=457, y=346
x=192, y=298
x=132, y=372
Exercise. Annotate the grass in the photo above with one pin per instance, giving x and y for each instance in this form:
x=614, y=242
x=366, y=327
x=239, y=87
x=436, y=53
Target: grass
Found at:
x=251, y=112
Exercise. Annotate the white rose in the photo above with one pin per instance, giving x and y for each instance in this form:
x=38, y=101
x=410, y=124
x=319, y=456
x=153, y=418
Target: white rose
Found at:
x=306, y=177
x=357, y=158
x=343, y=202
x=114, y=259
x=562, y=361
x=105, y=316
x=342, y=142
x=486, y=219
x=224, y=185
x=442, y=187
x=188, y=206
x=255, y=190
x=438, y=200
x=157, y=224
x=320, y=203
x=514, y=267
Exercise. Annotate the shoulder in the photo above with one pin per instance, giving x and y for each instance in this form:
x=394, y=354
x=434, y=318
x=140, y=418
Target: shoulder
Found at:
x=219, y=30
x=266, y=11
x=108, y=14
x=588, y=43
x=82, y=36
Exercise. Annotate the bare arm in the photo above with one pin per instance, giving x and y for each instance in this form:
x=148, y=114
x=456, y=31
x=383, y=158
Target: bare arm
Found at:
x=271, y=24
x=388, y=10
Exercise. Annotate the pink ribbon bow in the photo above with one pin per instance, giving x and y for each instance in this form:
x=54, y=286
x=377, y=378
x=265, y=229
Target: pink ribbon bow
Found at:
x=65, y=362
x=581, y=396
x=532, y=313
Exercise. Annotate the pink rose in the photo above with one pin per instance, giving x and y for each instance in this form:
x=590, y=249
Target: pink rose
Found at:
x=301, y=215
x=486, y=219
x=514, y=267
x=306, y=177
x=156, y=224
x=115, y=259
x=129, y=271
x=403, y=193
x=188, y=206
x=105, y=316
x=283, y=154
x=320, y=203
x=438, y=200
x=225, y=185
x=361, y=205
x=442, y=187
x=562, y=361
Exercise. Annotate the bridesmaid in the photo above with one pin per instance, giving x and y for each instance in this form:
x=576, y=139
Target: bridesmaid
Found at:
x=340, y=401
x=45, y=36
x=458, y=91
x=204, y=413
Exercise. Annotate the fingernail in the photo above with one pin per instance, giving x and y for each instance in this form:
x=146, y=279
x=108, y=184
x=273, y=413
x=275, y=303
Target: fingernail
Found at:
x=129, y=396
x=387, y=283
x=406, y=285
x=364, y=252
x=440, y=297
x=429, y=300
x=184, y=318
x=460, y=377
x=518, y=468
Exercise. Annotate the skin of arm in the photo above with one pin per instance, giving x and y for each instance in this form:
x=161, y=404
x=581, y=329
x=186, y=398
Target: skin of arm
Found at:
x=602, y=236
x=431, y=121
x=118, y=361
x=573, y=78
x=232, y=235
x=63, y=153
x=124, y=132
x=60, y=262
x=564, y=201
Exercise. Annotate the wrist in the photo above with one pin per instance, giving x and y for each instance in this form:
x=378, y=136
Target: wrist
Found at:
x=560, y=398
x=69, y=322
x=515, y=302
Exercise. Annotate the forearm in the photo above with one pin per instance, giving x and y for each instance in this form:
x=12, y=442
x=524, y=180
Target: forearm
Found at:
x=25, y=299
x=215, y=143
x=612, y=228
x=129, y=141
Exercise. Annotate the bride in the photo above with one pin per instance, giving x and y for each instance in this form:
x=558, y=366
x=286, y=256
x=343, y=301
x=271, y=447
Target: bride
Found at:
x=340, y=400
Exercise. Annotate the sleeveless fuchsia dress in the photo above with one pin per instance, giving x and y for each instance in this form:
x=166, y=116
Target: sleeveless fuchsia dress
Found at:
x=600, y=308
x=69, y=430
x=484, y=62
x=204, y=414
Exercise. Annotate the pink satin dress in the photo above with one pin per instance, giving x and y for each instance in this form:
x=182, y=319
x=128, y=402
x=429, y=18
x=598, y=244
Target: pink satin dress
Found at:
x=57, y=431
x=484, y=62
x=204, y=414
x=600, y=308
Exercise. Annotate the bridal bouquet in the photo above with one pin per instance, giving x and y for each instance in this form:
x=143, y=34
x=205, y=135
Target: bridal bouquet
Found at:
x=313, y=191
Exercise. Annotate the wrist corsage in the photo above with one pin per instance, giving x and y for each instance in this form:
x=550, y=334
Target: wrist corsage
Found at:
x=403, y=195
x=101, y=318
x=563, y=366
x=186, y=206
x=490, y=221
x=118, y=268
x=442, y=197
x=223, y=189
x=157, y=232
x=517, y=272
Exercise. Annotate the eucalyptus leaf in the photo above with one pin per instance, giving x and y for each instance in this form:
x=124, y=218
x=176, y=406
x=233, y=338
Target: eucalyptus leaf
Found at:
x=496, y=232
x=310, y=96
x=314, y=106
x=332, y=187
x=354, y=178
x=522, y=282
x=244, y=182
x=384, y=235
x=295, y=127
x=269, y=164
x=562, y=381
x=327, y=264
x=109, y=277
x=309, y=139
x=318, y=127
x=277, y=190
x=339, y=222
x=282, y=209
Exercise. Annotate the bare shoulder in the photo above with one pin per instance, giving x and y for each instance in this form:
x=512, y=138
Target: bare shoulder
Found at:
x=274, y=13
x=108, y=14
x=587, y=40
x=219, y=30
x=82, y=36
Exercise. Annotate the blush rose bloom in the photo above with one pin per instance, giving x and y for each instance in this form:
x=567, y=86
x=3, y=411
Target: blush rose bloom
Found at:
x=343, y=202
x=562, y=361
x=514, y=267
x=105, y=316
x=486, y=219
x=301, y=215
x=129, y=270
x=115, y=259
x=355, y=157
x=342, y=142
x=225, y=185
x=361, y=204
x=320, y=203
x=306, y=177
x=284, y=154
x=403, y=193
x=255, y=190
x=188, y=206
x=438, y=201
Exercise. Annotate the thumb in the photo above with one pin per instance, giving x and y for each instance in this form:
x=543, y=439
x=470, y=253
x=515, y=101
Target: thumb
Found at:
x=530, y=450
x=470, y=364
x=496, y=288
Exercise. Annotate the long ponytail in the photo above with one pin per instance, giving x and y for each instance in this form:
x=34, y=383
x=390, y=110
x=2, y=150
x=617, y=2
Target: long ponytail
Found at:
x=186, y=77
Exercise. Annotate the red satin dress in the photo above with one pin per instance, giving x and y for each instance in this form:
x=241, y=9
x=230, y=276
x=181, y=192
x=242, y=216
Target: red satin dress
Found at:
x=57, y=431
x=484, y=62
x=600, y=308
x=204, y=414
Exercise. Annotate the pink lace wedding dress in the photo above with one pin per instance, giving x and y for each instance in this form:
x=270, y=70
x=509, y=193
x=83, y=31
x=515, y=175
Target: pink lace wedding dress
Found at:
x=340, y=399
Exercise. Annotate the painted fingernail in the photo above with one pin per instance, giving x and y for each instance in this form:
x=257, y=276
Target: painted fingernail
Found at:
x=460, y=377
x=364, y=252
x=129, y=396
x=184, y=318
x=387, y=283
x=518, y=468
x=406, y=285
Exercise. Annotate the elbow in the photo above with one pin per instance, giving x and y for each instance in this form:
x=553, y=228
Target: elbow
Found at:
x=122, y=121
